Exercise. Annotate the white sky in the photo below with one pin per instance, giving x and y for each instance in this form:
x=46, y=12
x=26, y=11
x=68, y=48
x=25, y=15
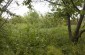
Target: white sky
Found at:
x=40, y=7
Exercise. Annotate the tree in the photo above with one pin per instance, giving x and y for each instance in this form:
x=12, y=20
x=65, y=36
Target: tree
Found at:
x=69, y=9
x=3, y=8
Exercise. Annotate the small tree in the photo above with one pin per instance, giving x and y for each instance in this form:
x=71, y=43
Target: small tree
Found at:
x=69, y=9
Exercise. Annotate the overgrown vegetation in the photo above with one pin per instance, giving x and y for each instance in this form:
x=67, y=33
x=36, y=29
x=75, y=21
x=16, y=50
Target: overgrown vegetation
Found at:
x=58, y=33
x=36, y=35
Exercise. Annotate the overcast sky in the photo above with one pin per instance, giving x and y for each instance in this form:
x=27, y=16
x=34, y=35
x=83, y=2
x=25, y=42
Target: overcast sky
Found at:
x=40, y=7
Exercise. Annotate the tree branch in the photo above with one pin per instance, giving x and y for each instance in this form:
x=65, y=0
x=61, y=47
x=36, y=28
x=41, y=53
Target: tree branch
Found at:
x=4, y=8
x=79, y=24
x=69, y=27
x=69, y=23
x=64, y=2
x=52, y=2
x=81, y=32
x=11, y=13
x=74, y=5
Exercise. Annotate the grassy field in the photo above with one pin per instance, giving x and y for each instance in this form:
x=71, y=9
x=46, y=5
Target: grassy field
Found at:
x=25, y=40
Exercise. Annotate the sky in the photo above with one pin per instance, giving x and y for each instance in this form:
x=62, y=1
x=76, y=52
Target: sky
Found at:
x=40, y=7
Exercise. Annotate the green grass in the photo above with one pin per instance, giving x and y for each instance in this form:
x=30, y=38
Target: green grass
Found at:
x=25, y=40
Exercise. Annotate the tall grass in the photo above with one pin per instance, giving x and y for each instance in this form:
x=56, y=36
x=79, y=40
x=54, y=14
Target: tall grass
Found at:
x=27, y=37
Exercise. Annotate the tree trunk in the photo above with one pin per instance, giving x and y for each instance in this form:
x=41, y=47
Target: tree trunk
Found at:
x=77, y=31
x=69, y=26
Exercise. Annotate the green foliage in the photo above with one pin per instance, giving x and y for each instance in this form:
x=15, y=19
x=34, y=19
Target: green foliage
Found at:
x=16, y=20
x=53, y=51
x=26, y=2
x=36, y=35
x=43, y=41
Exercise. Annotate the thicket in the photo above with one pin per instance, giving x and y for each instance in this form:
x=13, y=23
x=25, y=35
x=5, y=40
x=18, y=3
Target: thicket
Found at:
x=34, y=34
